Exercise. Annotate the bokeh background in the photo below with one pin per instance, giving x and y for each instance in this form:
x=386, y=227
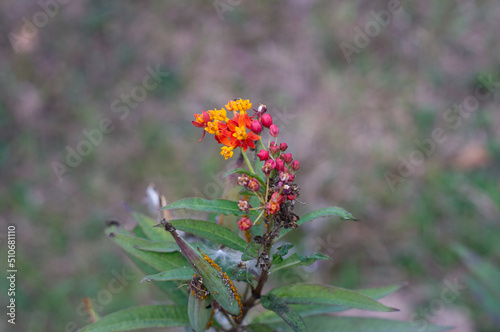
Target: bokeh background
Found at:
x=350, y=108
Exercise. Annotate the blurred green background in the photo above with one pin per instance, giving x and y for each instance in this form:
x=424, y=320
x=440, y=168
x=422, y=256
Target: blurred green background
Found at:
x=350, y=107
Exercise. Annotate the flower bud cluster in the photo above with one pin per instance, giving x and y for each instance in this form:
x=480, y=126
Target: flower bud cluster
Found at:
x=279, y=168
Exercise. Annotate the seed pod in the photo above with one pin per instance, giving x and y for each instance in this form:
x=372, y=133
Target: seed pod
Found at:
x=217, y=282
x=200, y=308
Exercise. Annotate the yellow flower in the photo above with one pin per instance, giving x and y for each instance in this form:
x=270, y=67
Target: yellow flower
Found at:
x=213, y=128
x=227, y=151
x=240, y=133
x=218, y=115
x=239, y=105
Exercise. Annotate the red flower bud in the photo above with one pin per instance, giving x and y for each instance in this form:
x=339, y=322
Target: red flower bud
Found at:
x=256, y=127
x=268, y=166
x=283, y=147
x=245, y=224
x=267, y=120
x=243, y=180
x=263, y=155
x=274, y=148
x=280, y=165
x=295, y=165
x=273, y=130
x=284, y=176
x=274, y=203
x=287, y=157
x=291, y=177
x=243, y=205
x=253, y=184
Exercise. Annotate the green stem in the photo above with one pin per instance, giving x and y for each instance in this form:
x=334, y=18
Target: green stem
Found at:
x=260, y=215
x=249, y=165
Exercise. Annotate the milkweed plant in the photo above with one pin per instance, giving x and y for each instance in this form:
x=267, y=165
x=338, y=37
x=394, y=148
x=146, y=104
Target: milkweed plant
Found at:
x=213, y=272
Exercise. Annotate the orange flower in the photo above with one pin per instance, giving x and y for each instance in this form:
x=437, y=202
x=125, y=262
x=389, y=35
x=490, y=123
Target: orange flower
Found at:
x=274, y=203
x=202, y=120
x=238, y=129
x=231, y=133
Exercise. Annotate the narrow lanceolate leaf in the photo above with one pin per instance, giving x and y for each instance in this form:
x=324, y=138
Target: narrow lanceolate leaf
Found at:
x=200, y=312
x=380, y=292
x=361, y=324
x=183, y=273
x=329, y=211
x=210, y=231
x=221, y=206
x=298, y=260
x=160, y=261
x=214, y=279
x=159, y=316
x=159, y=247
x=153, y=233
x=172, y=289
x=327, y=295
x=292, y=318
x=307, y=309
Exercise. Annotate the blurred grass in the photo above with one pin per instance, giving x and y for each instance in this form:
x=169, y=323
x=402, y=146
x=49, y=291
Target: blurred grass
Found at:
x=351, y=122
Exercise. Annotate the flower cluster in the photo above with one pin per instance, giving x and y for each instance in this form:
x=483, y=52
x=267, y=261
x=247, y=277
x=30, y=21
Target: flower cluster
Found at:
x=280, y=168
x=232, y=133
x=277, y=193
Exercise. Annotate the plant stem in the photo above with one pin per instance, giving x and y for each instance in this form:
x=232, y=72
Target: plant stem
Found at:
x=256, y=293
x=249, y=165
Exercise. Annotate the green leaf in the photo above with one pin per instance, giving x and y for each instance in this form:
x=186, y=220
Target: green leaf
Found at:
x=298, y=260
x=160, y=261
x=182, y=273
x=210, y=231
x=159, y=316
x=160, y=246
x=327, y=295
x=155, y=234
x=307, y=309
x=361, y=324
x=380, y=292
x=138, y=232
x=293, y=319
x=329, y=211
x=282, y=251
x=221, y=206
x=171, y=288
x=244, y=171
